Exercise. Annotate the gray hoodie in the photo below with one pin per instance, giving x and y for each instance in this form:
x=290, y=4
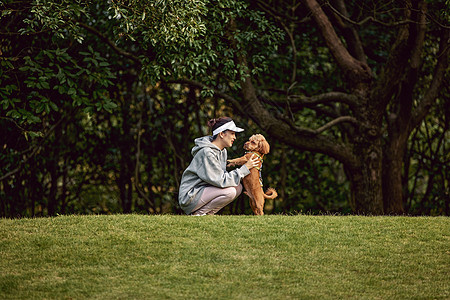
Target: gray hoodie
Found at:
x=207, y=168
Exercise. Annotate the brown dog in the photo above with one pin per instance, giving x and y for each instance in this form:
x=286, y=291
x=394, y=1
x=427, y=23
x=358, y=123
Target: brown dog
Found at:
x=256, y=145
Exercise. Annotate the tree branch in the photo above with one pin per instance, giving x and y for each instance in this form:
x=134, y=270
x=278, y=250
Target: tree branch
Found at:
x=370, y=18
x=283, y=17
x=438, y=76
x=356, y=71
x=34, y=150
x=339, y=97
x=8, y=34
x=319, y=109
x=110, y=43
x=313, y=132
x=395, y=66
x=401, y=109
x=335, y=122
x=348, y=30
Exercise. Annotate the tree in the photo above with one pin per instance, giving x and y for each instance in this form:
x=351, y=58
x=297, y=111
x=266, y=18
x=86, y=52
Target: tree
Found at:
x=379, y=99
x=381, y=103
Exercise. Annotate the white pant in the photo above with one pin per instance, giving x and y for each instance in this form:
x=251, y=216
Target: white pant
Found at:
x=214, y=199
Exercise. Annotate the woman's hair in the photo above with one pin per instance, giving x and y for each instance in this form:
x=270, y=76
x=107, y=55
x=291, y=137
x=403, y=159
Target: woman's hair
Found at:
x=216, y=123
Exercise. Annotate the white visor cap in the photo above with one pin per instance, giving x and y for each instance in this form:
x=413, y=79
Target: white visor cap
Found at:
x=227, y=126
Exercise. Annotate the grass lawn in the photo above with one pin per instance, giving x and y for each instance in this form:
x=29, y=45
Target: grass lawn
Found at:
x=225, y=257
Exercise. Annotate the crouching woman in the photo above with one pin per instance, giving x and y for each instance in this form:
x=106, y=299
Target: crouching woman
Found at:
x=206, y=186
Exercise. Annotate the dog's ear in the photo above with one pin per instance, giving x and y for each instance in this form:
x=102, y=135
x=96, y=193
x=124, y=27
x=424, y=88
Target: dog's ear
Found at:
x=264, y=147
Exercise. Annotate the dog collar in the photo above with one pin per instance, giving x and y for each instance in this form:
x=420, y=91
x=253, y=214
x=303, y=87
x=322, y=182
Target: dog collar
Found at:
x=257, y=154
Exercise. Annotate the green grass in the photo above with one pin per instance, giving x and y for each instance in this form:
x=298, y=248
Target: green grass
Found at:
x=225, y=257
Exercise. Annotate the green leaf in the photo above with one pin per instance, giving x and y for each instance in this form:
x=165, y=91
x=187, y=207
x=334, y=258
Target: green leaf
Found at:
x=109, y=106
x=53, y=106
x=13, y=114
x=45, y=85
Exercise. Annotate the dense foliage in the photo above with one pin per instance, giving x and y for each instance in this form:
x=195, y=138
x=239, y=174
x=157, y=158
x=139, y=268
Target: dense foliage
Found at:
x=100, y=102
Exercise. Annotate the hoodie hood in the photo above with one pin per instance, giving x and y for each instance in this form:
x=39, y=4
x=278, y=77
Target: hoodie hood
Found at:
x=203, y=142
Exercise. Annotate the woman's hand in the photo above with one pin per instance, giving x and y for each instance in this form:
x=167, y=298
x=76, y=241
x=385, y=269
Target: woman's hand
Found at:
x=252, y=162
x=230, y=164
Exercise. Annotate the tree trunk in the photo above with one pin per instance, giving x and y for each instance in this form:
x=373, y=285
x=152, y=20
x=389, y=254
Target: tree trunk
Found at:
x=366, y=176
x=54, y=175
x=399, y=119
x=283, y=177
x=392, y=175
x=126, y=170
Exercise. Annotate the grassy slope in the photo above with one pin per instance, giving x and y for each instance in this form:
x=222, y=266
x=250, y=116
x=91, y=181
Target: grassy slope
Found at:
x=225, y=257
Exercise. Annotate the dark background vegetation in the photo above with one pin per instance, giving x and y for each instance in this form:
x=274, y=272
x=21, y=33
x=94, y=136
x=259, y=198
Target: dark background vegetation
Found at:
x=100, y=103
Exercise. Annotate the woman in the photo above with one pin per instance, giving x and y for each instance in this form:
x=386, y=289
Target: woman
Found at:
x=206, y=186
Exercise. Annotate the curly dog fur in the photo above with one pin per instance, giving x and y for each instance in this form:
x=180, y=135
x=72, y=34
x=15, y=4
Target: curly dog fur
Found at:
x=256, y=145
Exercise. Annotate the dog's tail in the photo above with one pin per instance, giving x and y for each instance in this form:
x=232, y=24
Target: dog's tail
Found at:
x=270, y=194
